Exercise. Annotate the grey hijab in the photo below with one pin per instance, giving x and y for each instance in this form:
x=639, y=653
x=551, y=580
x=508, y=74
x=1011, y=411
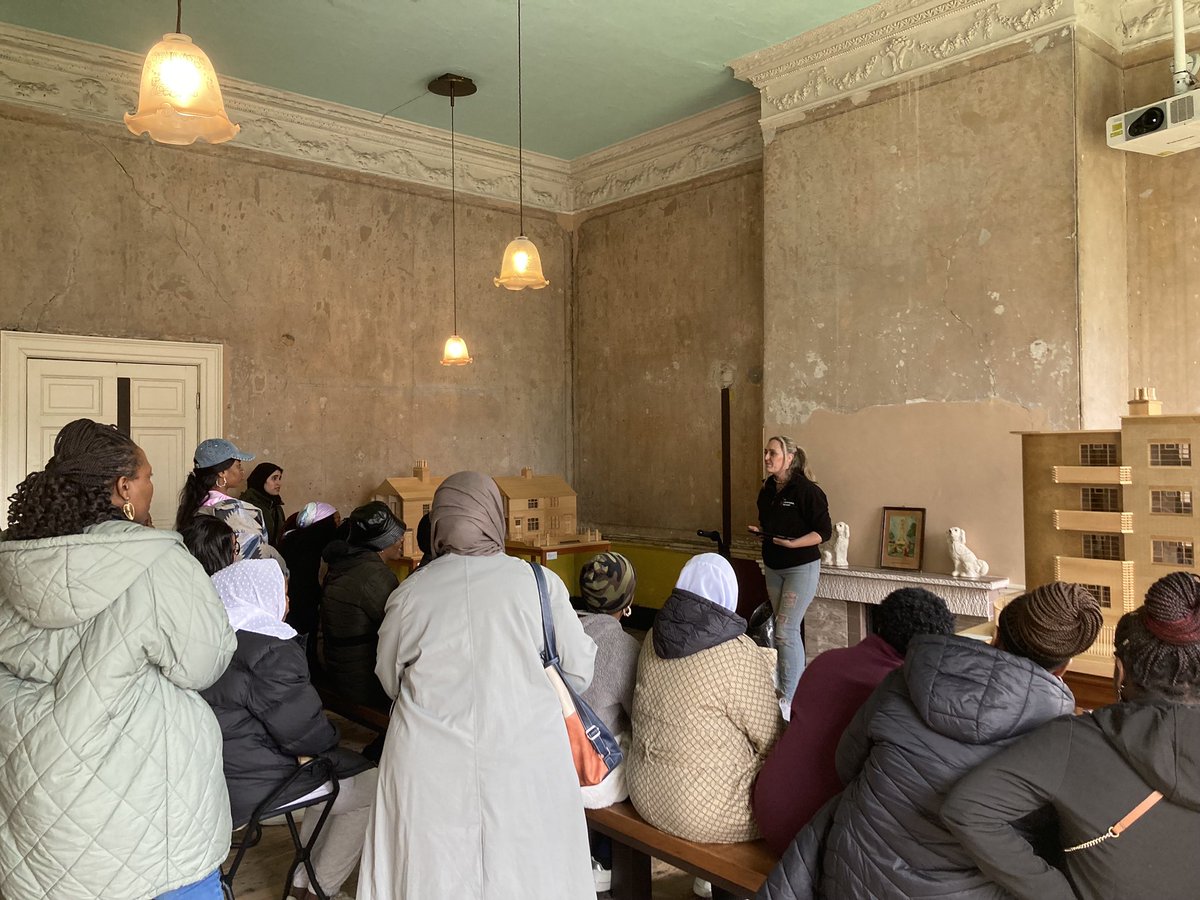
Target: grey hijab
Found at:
x=467, y=516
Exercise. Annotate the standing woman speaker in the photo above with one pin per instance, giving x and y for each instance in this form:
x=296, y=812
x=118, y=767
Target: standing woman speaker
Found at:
x=793, y=520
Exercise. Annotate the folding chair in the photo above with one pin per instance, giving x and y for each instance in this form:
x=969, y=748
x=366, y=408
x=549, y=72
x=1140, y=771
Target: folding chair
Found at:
x=271, y=807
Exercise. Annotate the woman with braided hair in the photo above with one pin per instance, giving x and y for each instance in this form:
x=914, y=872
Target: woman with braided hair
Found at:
x=1130, y=770
x=111, y=782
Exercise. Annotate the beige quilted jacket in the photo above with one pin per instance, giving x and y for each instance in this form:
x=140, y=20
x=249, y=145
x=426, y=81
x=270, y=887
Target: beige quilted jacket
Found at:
x=110, y=762
x=702, y=727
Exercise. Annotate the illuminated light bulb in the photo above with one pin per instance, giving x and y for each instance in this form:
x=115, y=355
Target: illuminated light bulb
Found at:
x=521, y=267
x=180, y=100
x=455, y=352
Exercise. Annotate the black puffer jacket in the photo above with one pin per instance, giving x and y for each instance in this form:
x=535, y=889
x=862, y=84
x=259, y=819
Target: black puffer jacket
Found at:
x=269, y=714
x=357, y=586
x=687, y=624
x=954, y=703
x=1093, y=770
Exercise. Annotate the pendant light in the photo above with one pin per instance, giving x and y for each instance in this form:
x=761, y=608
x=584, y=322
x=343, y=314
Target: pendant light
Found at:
x=455, y=352
x=180, y=100
x=522, y=265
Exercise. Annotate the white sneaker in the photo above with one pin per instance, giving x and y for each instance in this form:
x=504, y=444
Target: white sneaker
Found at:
x=602, y=877
x=702, y=888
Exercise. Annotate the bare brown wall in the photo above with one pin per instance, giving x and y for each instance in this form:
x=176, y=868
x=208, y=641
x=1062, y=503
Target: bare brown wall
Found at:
x=330, y=292
x=1164, y=253
x=669, y=307
x=921, y=295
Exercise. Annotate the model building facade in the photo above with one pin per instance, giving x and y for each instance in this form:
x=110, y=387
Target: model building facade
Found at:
x=539, y=510
x=409, y=498
x=1111, y=510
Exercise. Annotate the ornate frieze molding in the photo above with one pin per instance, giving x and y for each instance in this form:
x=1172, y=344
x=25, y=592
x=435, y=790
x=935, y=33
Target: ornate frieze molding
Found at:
x=89, y=81
x=717, y=139
x=97, y=83
x=895, y=40
x=1146, y=21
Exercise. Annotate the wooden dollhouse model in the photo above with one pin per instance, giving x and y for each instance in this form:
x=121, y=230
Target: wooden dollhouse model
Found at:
x=409, y=498
x=1112, y=510
x=540, y=510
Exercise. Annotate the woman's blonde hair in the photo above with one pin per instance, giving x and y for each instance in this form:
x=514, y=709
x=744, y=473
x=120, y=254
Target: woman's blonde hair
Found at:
x=799, y=457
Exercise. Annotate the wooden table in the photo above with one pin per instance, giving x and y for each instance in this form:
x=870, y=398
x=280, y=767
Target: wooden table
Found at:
x=544, y=554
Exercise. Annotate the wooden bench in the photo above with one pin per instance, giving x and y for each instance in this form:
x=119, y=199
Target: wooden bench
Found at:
x=735, y=870
x=367, y=716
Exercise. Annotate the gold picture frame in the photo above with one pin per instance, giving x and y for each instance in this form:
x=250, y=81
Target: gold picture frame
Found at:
x=902, y=538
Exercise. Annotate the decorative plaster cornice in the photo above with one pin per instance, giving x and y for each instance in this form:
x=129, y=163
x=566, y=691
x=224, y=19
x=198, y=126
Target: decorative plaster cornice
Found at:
x=97, y=83
x=717, y=139
x=894, y=40
x=1146, y=21
x=89, y=81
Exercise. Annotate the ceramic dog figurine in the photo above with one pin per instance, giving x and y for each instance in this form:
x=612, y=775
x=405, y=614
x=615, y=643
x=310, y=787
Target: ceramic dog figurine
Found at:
x=965, y=562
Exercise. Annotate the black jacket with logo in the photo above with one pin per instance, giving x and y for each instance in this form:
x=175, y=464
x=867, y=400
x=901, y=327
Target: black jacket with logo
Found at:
x=792, y=511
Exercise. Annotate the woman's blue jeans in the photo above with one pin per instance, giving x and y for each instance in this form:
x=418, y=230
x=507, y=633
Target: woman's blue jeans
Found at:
x=791, y=591
x=205, y=889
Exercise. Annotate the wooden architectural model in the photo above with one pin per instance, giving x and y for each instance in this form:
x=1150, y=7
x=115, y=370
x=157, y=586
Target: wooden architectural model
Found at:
x=409, y=498
x=540, y=510
x=1111, y=510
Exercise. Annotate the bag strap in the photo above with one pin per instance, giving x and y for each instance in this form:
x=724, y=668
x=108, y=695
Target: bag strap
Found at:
x=1115, y=831
x=549, y=648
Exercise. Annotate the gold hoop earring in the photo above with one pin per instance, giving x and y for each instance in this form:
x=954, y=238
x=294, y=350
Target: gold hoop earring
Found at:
x=222, y=482
x=128, y=511
x=627, y=612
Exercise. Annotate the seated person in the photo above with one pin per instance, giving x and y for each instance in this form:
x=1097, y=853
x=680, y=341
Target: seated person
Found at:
x=705, y=712
x=425, y=541
x=358, y=583
x=213, y=543
x=607, y=584
x=1095, y=769
x=954, y=703
x=799, y=776
x=306, y=534
x=271, y=718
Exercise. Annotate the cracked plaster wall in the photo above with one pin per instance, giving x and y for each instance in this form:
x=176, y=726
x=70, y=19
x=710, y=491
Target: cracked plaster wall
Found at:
x=669, y=309
x=330, y=292
x=1164, y=253
x=921, y=294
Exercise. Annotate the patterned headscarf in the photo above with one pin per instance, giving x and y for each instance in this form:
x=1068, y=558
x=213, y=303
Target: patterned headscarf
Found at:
x=313, y=512
x=254, y=597
x=710, y=576
x=467, y=516
x=607, y=583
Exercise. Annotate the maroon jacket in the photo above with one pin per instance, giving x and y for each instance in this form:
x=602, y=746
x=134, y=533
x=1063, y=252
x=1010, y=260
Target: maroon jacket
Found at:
x=799, y=777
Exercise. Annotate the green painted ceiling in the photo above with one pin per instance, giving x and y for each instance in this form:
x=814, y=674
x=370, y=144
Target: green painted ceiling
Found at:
x=596, y=71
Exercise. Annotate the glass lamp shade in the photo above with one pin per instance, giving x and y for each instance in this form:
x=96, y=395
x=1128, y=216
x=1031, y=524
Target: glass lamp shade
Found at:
x=455, y=352
x=180, y=100
x=521, y=267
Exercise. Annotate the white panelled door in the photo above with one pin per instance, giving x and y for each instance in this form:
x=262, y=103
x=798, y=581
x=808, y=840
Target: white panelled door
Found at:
x=158, y=404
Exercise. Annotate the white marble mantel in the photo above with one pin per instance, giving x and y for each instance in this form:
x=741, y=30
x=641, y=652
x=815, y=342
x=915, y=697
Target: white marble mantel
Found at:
x=965, y=596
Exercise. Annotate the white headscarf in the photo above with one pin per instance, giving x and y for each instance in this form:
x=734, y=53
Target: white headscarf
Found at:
x=254, y=597
x=710, y=576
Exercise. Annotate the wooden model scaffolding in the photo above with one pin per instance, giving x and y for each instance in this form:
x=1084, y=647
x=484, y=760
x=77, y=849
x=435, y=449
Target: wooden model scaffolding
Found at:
x=1111, y=510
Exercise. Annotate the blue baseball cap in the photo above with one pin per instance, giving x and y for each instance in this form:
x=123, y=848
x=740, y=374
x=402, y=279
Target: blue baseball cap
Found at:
x=217, y=450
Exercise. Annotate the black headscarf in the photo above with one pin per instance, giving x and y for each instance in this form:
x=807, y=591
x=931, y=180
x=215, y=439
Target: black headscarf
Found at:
x=257, y=480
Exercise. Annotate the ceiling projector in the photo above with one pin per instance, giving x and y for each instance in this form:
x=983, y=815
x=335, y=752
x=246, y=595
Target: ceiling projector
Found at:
x=1161, y=129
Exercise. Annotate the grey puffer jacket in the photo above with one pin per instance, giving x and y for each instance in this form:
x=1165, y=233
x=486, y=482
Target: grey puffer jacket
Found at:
x=954, y=703
x=110, y=762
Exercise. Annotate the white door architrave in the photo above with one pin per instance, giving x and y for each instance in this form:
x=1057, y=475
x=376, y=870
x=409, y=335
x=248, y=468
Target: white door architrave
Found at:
x=17, y=348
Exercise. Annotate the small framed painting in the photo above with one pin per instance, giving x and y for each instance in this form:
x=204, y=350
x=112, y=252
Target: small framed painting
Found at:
x=902, y=541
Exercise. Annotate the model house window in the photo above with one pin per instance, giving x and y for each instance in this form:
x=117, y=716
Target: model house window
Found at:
x=424, y=509
x=1171, y=503
x=1100, y=499
x=1098, y=454
x=516, y=523
x=1176, y=454
x=533, y=504
x=1102, y=593
x=1173, y=552
x=1101, y=546
x=533, y=524
x=553, y=502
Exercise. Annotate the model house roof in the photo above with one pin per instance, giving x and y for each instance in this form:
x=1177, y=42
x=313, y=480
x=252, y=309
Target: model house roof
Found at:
x=409, y=488
x=526, y=487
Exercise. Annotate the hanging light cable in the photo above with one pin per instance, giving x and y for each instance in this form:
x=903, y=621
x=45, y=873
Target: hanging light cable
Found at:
x=455, y=352
x=521, y=266
x=179, y=101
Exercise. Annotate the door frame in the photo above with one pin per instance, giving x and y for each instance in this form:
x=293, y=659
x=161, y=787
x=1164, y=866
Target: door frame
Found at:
x=17, y=347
